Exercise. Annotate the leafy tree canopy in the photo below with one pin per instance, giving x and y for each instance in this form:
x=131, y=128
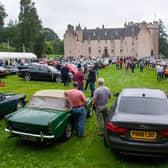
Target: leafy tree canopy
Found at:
x=163, y=39
x=50, y=35
x=3, y=14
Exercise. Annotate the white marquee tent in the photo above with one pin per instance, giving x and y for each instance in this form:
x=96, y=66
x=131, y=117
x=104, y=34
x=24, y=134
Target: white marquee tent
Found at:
x=16, y=55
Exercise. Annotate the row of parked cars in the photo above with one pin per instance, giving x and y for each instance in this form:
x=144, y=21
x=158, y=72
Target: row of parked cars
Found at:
x=42, y=72
x=35, y=71
x=137, y=122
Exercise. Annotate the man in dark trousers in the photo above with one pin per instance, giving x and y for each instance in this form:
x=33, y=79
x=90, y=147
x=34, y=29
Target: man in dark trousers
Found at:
x=65, y=74
x=91, y=80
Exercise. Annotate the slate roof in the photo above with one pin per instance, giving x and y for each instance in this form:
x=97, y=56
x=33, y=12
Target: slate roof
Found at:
x=108, y=34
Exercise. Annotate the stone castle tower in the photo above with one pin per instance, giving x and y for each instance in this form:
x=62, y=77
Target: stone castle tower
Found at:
x=135, y=39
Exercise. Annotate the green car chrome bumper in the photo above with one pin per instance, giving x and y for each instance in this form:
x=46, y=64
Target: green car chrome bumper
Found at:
x=41, y=135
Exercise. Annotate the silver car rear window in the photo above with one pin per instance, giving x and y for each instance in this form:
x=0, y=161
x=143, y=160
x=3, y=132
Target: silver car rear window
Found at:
x=143, y=105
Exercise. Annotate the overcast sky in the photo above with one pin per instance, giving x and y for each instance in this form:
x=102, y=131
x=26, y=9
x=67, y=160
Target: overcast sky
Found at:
x=56, y=14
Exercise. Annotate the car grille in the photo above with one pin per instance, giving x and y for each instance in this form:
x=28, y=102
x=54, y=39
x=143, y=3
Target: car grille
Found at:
x=28, y=128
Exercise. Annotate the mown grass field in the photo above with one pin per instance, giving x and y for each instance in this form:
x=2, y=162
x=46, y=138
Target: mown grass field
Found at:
x=88, y=152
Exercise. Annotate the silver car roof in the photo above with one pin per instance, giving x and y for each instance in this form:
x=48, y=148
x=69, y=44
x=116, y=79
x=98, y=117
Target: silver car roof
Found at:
x=143, y=92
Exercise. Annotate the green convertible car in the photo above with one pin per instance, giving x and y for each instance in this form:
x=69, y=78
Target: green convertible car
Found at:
x=10, y=102
x=46, y=118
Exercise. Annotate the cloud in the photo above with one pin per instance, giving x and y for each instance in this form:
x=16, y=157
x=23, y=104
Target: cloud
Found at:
x=92, y=13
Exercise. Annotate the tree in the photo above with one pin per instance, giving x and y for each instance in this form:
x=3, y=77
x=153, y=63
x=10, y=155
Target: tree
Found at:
x=163, y=39
x=30, y=28
x=6, y=47
x=58, y=46
x=50, y=35
x=49, y=47
x=10, y=35
x=2, y=15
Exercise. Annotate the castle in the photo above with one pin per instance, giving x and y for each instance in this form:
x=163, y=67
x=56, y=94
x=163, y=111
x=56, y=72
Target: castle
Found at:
x=134, y=39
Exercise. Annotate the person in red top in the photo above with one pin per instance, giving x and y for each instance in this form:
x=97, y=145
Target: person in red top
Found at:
x=77, y=101
x=79, y=77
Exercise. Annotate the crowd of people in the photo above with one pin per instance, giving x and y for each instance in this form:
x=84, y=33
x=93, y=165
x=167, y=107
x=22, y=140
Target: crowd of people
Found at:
x=131, y=63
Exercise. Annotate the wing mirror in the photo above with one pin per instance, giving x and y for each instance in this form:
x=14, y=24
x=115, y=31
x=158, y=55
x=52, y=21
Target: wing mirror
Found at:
x=116, y=94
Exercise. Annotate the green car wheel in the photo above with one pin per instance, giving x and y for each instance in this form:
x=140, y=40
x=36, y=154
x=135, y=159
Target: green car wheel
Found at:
x=90, y=111
x=68, y=131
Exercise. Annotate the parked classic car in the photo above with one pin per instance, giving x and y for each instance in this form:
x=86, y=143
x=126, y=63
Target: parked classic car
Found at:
x=3, y=71
x=46, y=118
x=10, y=102
x=138, y=122
x=41, y=72
x=12, y=69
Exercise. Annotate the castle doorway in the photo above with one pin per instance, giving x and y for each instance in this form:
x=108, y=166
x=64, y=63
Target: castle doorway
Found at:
x=105, y=53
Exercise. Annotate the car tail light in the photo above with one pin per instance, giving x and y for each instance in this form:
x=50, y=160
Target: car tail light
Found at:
x=164, y=132
x=114, y=128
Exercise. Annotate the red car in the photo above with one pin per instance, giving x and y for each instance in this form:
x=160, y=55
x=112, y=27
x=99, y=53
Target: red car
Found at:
x=72, y=68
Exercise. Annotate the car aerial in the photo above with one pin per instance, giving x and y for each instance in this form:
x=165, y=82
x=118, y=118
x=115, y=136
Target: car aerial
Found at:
x=47, y=117
x=41, y=72
x=138, y=122
x=10, y=102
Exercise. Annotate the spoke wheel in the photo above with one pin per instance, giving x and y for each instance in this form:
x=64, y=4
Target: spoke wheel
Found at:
x=19, y=104
x=58, y=79
x=27, y=77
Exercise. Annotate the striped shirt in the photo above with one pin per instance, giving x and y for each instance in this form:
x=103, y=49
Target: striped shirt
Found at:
x=101, y=95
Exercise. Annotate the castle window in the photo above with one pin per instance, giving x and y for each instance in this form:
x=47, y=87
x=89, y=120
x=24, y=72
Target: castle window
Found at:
x=121, y=50
x=94, y=33
x=105, y=33
x=89, y=50
x=112, y=50
x=99, y=51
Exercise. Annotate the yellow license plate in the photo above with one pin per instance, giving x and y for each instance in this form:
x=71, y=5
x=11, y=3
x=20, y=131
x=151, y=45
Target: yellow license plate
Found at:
x=147, y=135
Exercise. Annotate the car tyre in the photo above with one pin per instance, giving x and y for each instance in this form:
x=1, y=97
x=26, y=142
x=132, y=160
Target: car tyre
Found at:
x=105, y=142
x=19, y=105
x=58, y=79
x=27, y=77
x=68, y=131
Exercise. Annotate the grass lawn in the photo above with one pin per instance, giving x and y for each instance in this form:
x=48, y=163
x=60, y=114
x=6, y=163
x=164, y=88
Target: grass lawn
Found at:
x=88, y=152
x=54, y=55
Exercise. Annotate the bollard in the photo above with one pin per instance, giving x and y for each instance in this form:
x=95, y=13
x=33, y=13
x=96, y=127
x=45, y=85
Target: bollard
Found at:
x=2, y=83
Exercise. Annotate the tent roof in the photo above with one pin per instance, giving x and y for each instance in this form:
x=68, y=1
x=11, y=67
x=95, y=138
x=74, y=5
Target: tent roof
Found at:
x=19, y=55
